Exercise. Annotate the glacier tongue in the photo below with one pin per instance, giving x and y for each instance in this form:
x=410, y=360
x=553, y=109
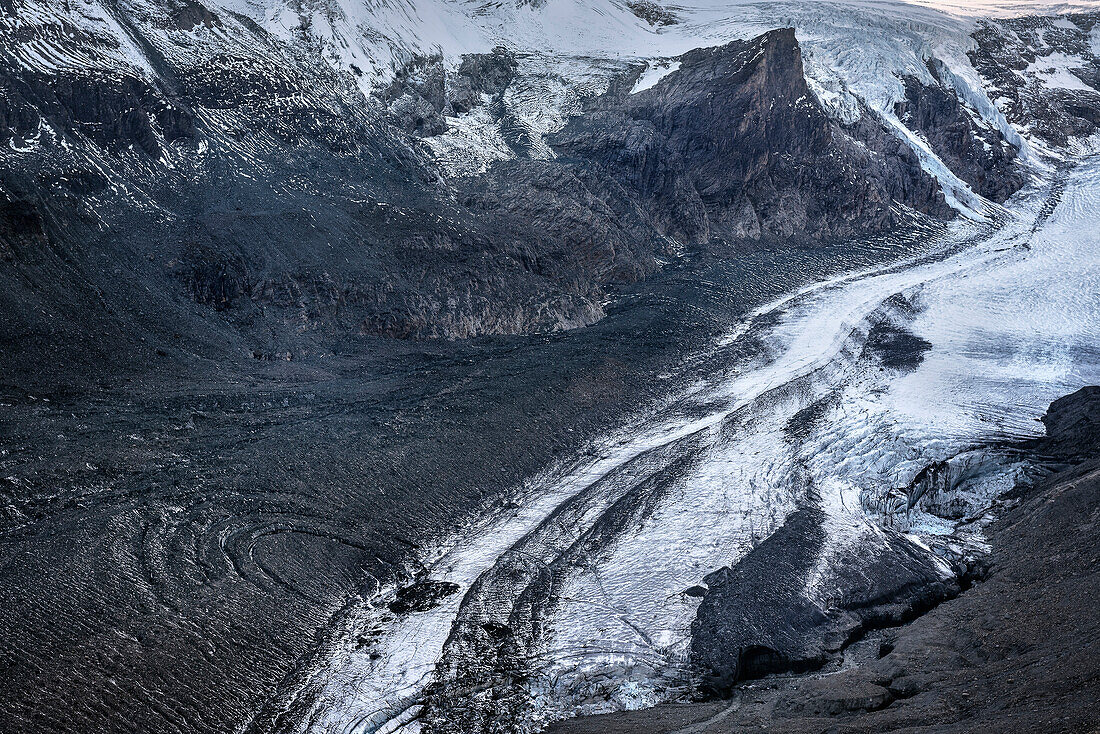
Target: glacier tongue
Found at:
x=593, y=578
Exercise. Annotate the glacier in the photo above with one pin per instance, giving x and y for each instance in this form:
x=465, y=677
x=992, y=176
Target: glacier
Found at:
x=1010, y=314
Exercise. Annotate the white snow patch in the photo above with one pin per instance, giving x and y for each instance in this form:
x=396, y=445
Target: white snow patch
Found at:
x=471, y=143
x=1055, y=71
x=654, y=72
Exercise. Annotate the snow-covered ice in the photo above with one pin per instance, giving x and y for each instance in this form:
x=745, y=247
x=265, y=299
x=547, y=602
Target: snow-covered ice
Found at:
x=654, y=72
x=1056, y=72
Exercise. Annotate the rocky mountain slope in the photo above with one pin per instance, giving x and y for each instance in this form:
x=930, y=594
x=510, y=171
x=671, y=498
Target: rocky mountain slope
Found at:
x=973, y=149
x=237, y=174
x=733, y=146
x=246, y=186
x=1043, y=72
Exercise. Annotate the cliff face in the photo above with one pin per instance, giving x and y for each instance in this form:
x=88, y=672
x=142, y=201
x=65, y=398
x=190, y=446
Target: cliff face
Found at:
x=734, y=146
x=974, y=150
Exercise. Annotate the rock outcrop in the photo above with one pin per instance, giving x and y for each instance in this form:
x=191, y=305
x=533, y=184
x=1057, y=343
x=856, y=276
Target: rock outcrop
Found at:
x=972, y=148
x=734, y=146
x=1018, y=57
x=424, y=93
x=758, y=618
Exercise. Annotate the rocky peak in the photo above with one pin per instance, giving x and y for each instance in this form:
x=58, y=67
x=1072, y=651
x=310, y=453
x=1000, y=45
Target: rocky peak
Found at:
x=734, y=146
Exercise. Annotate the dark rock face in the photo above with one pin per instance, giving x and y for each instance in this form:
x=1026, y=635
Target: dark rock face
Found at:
x=424, y=92
x=344, y=227
x=416, y=115
x=734, y=146
x=112, y=111
x=976, y=152
x=489, y=73
x=652, y=13
x=340, y=226
x=1073, y=425
x=580, y=224
x=1005, y=51
x=756, y=619
x=417, y=97
x=752, y=621
x=635, y=175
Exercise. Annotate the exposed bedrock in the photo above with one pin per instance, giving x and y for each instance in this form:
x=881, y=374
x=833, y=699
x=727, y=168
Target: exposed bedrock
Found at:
x=566, y=221
x=338, y=230
x=424, y=93
x=1073, y=427
x=111, y=110
x=972, y=148
x=717, y=152
x=342, y=226
x=1019, y=57
x=760, y=616
x=734, y=146
x=652, y=13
